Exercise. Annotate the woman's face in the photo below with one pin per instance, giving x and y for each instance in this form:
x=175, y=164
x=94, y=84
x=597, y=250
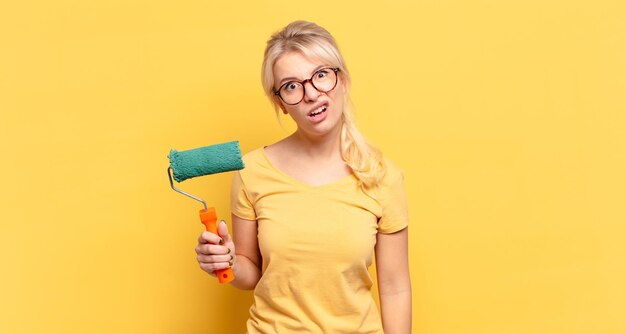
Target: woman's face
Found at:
x=318, y=113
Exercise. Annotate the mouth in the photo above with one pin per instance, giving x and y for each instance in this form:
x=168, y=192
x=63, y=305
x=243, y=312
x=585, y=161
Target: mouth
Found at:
x=321, y=109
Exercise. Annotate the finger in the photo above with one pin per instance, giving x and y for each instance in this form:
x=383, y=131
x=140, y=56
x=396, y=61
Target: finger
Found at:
x=208, y=249
x=222, y=229
x=210, y=267
x=215, y=258
x=210, y=238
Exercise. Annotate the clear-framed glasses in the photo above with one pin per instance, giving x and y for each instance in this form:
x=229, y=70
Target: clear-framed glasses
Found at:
x=324, y=80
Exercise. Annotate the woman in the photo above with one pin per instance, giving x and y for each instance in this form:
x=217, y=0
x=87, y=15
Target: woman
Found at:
x=309, y=210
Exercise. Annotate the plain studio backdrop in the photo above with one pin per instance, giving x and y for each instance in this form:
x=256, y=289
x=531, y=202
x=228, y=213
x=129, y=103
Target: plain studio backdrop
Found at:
x=507, y=117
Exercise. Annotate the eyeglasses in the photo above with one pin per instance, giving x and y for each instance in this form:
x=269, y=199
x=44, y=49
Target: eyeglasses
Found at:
x=323, y=80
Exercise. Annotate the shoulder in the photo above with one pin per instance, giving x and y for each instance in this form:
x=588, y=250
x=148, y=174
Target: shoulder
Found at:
x=258, y=175
x=392, y=180
x=256, y=165
x=393, y=173
x=253, y=158
x=390, y=195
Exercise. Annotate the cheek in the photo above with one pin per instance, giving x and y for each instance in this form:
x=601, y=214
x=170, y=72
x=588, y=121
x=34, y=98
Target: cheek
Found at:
x=339, y=93
x=294, y=113
x=339, y=100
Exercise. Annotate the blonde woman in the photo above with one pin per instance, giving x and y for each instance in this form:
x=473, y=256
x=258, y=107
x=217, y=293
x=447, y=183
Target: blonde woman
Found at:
x=309, y=211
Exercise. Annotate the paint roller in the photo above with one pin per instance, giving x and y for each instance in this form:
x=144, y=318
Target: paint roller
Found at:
x=205, y=161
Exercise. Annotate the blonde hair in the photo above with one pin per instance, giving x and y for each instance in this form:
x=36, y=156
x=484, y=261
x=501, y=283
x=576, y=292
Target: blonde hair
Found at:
x=314, y=41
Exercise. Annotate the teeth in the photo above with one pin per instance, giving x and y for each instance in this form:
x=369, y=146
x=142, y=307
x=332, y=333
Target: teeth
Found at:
x=318, y=111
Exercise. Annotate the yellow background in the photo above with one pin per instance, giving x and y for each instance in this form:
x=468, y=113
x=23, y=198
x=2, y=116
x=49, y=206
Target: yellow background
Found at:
x=508, y=117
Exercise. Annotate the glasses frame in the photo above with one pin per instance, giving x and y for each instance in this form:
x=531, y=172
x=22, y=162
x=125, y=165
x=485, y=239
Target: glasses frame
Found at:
x=303, y=82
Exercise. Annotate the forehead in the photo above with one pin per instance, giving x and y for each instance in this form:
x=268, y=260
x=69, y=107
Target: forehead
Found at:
x=295, y=65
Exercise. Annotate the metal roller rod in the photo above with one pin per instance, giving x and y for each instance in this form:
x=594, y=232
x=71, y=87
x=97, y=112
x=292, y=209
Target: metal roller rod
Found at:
x=169, y=174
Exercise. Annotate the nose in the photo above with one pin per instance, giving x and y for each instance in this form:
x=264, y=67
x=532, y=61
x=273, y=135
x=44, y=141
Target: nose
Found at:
x=310, y=92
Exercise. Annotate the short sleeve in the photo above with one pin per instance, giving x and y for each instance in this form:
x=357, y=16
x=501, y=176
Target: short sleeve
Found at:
x=240, y=204
x=392, y=198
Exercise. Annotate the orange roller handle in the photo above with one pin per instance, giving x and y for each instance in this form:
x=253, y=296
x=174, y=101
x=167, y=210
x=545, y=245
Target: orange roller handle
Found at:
x=209, y=219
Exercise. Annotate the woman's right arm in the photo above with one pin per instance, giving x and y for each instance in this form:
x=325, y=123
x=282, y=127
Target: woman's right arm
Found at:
x=241, y=252
x=248, y=261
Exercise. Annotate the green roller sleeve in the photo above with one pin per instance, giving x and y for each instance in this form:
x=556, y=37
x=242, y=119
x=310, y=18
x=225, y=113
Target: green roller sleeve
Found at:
x=205, y=160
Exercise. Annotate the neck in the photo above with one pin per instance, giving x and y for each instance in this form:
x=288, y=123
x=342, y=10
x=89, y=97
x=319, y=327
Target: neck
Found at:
x=323, y=147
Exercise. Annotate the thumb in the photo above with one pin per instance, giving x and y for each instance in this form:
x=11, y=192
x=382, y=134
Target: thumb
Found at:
x=222, y=230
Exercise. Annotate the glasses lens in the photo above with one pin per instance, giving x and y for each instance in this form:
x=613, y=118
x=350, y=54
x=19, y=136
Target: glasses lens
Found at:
x=324, y=80
x=292, y=92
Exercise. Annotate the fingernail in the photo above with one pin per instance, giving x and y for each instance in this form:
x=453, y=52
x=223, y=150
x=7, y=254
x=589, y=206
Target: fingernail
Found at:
x=223, y=221
x=221, y=241
x=231, y=257
x=230, y=264
x=228, y=251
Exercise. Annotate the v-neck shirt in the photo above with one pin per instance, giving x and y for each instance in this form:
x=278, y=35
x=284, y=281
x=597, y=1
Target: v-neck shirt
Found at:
x=316, y=244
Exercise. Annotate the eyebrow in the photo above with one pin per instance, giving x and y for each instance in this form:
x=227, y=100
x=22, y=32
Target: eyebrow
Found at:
x=281, y=82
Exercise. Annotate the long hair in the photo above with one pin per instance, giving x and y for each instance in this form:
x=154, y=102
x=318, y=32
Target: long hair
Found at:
x=314, y=41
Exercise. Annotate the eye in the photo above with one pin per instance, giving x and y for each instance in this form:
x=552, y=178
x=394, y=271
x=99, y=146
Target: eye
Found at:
x=291, y=86
x=321, y=73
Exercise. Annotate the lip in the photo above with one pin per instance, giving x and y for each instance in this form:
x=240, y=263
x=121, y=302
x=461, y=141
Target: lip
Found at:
x=317, y=106
x=319, y=118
